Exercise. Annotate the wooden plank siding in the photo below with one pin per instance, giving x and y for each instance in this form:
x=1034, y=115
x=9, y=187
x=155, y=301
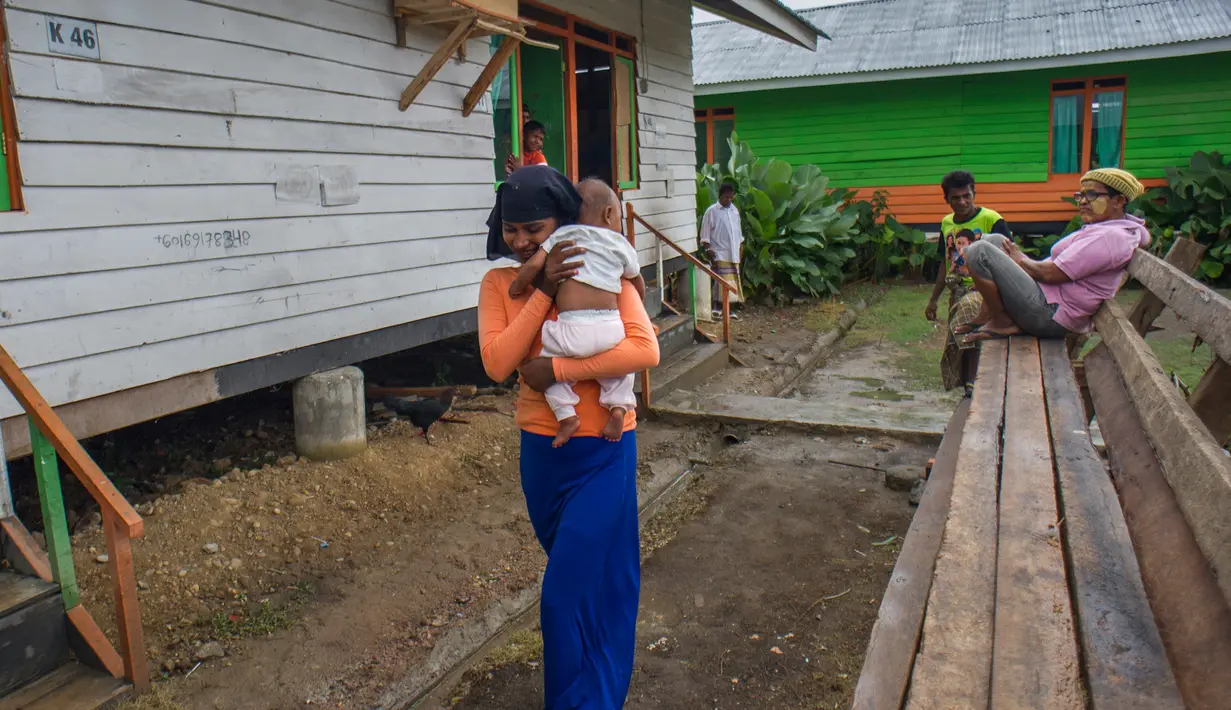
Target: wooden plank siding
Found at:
x=185, y=124
x=903, y=136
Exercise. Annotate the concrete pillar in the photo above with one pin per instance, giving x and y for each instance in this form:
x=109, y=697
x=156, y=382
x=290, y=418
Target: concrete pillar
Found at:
x=330, y=414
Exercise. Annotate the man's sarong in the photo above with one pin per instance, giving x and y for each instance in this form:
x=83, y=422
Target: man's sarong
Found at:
x=582, y=500
x=729, y=271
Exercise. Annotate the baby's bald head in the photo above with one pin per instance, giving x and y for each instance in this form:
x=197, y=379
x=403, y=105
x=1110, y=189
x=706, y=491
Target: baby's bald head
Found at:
x=600, y=206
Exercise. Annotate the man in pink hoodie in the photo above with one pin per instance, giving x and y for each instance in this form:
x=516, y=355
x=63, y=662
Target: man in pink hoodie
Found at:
x=1058, y=295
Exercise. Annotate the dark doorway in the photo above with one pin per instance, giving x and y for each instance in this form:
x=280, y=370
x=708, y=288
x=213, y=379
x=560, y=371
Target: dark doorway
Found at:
x=593, y=67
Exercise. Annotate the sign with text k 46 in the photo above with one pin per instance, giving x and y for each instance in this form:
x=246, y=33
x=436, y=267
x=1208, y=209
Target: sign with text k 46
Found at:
x=78, y=38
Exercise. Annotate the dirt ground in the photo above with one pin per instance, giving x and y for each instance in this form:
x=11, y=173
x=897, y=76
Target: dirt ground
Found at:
x=766, y=595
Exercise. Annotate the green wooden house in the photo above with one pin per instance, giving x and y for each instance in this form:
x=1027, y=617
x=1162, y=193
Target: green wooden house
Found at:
x=1026, y=94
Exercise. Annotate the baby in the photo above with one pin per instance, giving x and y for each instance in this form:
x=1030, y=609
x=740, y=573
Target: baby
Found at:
x=589, y=317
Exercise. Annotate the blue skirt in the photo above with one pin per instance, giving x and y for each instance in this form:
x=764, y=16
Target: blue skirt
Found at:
x=582, y=500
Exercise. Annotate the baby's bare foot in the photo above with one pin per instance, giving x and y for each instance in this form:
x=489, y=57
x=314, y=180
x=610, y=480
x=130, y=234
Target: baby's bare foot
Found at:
x=614, y=429
x=568, y=427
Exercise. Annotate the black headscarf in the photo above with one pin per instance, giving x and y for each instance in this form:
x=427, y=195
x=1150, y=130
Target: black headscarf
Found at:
x=531, y=193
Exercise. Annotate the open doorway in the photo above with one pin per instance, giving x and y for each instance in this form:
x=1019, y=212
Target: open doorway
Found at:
x=594, y=131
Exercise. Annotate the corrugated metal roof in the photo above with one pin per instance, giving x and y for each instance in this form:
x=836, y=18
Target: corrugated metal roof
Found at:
x=882, y=35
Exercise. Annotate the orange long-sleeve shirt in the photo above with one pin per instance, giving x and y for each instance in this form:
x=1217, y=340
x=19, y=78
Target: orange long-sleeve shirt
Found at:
x=510, y=334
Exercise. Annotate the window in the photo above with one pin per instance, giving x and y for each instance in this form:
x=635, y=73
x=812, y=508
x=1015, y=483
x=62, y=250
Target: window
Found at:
x=10, y=176
x=584, y=94
x=714, y=128
x=1087, y=125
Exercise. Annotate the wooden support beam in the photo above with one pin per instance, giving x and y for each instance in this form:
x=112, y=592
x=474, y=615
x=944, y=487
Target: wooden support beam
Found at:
x=55, y=522
x=494, y=65
x=954, y=664
x=895, y=636
x=1195, y=465
x=127, y=613
x=27, y=548
x=1211, y=400
x=96, y=642
x=1126, y=666
x=1034, y=654
x=1185, y=255
x=456, y=39
x=1204, y=310
x=1189, y=608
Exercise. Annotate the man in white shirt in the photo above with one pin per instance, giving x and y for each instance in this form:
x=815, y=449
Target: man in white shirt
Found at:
x=722, y=238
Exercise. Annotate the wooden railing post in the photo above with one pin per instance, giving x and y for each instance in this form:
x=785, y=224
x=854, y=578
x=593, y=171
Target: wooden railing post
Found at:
x=127, y=614
x=55, y=522
x=726, y=316
x=630, y=217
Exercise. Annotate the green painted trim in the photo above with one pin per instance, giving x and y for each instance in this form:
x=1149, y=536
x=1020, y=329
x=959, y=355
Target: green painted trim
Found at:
x=635, y=182
x=55, y=522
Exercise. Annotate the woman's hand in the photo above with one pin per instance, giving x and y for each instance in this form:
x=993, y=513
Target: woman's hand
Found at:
x=511, y=164
x=1015, y=252
x=930, y=311
x=538, y=374
x=559, y=268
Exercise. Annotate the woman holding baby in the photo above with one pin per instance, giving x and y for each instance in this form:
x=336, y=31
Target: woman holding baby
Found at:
x=581, y=488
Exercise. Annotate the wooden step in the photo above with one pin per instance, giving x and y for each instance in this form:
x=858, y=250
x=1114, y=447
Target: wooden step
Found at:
x=674, y=334
x=72, y=686
x=18, y=591
x=686, y=369
x=33, y=630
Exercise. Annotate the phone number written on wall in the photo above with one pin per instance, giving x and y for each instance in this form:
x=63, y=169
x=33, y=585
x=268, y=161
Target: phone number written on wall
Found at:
x=226, y=239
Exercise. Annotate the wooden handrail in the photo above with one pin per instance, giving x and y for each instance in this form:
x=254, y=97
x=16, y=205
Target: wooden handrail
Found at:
x=48, y=422
x=727, y=288
x=121, y=524
x=692, y=259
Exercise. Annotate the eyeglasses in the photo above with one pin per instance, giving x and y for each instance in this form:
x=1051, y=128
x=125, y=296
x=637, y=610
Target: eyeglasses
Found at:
x=1089, y=195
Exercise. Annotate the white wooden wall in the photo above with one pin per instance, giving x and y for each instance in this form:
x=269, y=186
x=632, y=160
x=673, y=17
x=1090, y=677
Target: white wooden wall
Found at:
x=183, y=126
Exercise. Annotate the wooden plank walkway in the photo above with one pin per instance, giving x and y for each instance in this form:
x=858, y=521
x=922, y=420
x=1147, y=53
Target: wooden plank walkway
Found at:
x=954, y=665
x=1034, y=655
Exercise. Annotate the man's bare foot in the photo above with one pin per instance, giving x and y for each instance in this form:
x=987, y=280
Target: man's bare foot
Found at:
x=614, y=429
x=568, y=427
x=989, y=333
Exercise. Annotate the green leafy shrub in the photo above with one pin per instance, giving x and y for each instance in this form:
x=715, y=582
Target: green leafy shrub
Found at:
x=797, y=234
x=1196, y=202
x=882, y=244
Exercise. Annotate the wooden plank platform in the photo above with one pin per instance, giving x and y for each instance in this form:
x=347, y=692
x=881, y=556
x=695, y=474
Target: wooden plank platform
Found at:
x=1126, y=666
x=954, y=665
x=1189, y=608
x=1034, y=654
x=895, y=636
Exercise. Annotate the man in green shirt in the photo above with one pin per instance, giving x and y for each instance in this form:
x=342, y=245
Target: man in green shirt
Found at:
x=967, y=223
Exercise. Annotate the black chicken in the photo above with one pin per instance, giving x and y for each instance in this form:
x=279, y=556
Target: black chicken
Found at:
x=423, y=413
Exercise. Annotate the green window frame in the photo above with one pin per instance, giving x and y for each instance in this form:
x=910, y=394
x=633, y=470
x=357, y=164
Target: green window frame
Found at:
x=626, y=156
x=508, y=75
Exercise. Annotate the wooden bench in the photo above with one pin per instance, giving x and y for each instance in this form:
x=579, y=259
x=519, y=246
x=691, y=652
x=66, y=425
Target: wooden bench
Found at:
x=1035, y=573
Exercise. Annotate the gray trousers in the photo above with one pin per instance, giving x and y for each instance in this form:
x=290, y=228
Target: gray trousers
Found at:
x=1023, y=297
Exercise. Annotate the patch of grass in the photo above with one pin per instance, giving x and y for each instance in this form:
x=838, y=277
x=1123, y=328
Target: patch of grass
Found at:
x=523, y=646
x=897, y=318
x=263, y=619
x=1175, y=354
x=823, y=317
x=159, y=698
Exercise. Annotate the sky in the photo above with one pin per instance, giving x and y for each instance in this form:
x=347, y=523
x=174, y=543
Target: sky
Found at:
x=699, y=15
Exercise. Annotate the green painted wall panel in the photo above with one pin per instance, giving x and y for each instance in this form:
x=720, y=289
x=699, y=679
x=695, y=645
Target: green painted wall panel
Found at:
x=995, y=125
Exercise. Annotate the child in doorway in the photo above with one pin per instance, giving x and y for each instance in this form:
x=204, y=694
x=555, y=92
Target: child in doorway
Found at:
x=535, y=135
x=589, y=319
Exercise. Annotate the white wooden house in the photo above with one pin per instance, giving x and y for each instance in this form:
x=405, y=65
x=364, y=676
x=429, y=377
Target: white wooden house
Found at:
x=208, y=197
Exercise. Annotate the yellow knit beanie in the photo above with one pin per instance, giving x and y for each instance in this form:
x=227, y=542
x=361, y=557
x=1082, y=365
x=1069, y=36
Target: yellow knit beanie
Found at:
x=1121, y=181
